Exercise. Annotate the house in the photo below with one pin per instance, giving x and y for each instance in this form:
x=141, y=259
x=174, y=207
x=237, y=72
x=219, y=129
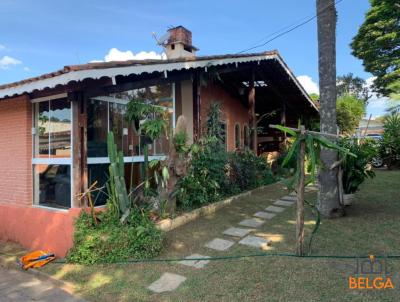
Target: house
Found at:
x=54, y=126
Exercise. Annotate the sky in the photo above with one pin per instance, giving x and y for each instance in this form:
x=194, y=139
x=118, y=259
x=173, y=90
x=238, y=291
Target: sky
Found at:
x=41, y=36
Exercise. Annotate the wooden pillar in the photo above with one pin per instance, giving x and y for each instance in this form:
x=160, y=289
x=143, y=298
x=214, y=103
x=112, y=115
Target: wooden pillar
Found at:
x=283, y=123
x=252, y=112
x=196, y=107
x=78, y=146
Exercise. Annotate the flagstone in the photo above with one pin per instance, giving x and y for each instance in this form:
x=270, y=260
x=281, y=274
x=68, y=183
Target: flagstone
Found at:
x=168, y=282
x=255, y=241
x=252, y=222
x=195, y=263
x=274, y=209
x=283, y=203
x=219, y=244
x=289, y=198
x=237, y=232
x=264, y=215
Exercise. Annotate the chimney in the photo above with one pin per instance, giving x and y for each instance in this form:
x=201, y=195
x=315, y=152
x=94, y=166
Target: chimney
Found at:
x=179, y=43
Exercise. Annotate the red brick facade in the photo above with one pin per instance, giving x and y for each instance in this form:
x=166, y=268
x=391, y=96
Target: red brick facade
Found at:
x=16, y=151
x=233, y=111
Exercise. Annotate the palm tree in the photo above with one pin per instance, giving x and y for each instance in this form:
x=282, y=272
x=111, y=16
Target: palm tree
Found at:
x=328, y=197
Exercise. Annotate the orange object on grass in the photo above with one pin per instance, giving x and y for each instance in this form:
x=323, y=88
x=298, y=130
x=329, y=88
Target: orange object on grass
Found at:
x=36, y=259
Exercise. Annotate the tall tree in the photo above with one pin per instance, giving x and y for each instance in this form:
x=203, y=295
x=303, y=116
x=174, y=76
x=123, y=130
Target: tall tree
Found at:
x=328, y=197
x=377, y=43
x=349, y=111
x=349, y=84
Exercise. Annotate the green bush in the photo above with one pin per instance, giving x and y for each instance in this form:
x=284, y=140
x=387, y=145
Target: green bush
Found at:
x=214, y=174
x=249, y=171
x=356, y=169
x=110, y=241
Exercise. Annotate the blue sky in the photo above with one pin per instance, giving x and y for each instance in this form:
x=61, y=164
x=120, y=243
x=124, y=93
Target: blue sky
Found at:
x=41, y=36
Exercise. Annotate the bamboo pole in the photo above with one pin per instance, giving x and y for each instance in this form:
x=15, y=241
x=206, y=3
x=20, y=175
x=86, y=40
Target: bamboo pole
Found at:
x=300, y=196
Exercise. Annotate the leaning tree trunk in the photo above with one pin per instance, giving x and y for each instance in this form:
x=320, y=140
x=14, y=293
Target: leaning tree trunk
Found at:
x=328, y=197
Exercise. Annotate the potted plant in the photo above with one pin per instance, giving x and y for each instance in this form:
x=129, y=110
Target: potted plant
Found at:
x=356, y=169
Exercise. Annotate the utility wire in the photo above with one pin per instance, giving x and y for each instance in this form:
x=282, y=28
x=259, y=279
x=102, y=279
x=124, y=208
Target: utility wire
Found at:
x=279, y=33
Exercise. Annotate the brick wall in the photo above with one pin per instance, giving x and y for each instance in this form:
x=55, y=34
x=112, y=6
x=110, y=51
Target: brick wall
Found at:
x=233, y=111
x=16, y=151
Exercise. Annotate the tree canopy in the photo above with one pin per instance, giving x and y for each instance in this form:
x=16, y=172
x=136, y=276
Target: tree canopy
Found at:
x=350, y=111
x=350, y=84
x=377, y=43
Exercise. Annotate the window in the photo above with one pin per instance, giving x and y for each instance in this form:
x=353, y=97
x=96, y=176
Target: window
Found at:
x=246, y=136
x=52, y=153
x=107, y=113
x=224, y=135
x=237, y=136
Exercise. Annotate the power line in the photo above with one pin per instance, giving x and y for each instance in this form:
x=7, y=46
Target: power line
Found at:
x=286, y=31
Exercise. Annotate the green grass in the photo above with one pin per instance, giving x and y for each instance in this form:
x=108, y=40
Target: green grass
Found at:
x=371, y=226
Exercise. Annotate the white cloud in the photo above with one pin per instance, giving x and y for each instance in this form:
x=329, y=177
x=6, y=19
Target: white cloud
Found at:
x=309, y=85
x=115, y=54
x=6, y=62
x=27, y=69
x=2, y=47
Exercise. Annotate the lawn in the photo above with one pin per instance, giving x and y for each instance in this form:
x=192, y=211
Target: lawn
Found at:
x=371, y=226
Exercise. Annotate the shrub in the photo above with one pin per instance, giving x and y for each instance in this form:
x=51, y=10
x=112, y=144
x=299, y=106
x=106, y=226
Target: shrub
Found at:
x=214, y=173
x=249, y=171
x=355, y=169
x=110, y=241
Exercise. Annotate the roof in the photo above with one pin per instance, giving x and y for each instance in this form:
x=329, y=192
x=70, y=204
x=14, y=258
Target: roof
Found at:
x=78, y=73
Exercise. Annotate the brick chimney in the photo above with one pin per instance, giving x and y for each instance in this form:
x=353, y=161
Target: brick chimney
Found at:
x=179, y=43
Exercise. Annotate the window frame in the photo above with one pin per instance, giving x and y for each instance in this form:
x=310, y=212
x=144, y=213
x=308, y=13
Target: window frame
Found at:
x=68, y=161
x=136, y=158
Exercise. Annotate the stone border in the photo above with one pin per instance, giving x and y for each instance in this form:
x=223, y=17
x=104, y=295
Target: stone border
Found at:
x=169, y=224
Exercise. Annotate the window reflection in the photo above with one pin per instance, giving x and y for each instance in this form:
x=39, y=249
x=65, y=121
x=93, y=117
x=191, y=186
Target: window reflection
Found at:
x=107, y=113
x=53, y=129
x=53, y=185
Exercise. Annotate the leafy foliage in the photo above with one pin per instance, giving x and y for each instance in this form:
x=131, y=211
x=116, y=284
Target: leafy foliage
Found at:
x=349, y=84
x=215, y=174
x=350, y=111
x=377, y=43
x=355, y=169
x=111, y=242
x=391, y=138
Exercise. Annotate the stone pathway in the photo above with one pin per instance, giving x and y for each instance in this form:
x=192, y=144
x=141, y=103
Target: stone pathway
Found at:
x=169, y=281
x=19, y=286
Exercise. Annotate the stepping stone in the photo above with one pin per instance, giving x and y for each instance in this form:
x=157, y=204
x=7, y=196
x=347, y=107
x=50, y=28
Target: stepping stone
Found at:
x=255, y=241
x=252, y=222
x=195, y=263
x=219, y=244
x=283, y=203
x=167, y=283
x=289, y=198
x=264, y=215
x=237, y=232
x=274, y=209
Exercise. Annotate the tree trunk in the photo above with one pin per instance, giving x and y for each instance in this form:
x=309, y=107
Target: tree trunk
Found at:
x=300, y=198
x=328, y=197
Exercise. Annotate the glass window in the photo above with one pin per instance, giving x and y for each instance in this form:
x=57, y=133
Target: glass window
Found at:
x=246, y=136
x=100, y=174
x=97, y=128
x=53, y=129
x=53, y=185
x=237, y=136
x=107, y=113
